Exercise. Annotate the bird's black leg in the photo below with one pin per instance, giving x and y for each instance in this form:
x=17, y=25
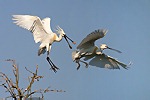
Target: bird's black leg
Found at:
x=48, y=59
x=78, y=64
x=53, y=67
x=86, y=64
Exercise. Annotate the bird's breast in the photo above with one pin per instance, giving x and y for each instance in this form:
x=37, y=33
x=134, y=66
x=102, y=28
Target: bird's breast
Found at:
x=49, y=39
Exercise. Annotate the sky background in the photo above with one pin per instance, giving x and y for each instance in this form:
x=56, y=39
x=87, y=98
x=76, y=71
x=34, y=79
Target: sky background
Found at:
x=128, y=22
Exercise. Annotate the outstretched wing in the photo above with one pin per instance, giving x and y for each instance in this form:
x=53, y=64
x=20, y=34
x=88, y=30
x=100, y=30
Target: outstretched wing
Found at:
x=104, y=61
x=91, y=38
x=34, y=25
x=46, y=25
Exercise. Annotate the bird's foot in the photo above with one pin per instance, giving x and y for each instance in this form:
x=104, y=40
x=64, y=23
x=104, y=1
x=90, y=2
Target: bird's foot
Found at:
x=54, y=68
x=78, y=66
x=86, y=65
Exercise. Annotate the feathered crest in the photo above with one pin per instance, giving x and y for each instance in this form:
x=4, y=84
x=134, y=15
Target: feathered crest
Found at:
x=59, y=30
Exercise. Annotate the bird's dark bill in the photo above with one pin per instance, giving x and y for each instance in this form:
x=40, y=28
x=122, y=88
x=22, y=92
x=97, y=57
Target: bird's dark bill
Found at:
x=66, y=38
x=70, y=39
x=114, y=50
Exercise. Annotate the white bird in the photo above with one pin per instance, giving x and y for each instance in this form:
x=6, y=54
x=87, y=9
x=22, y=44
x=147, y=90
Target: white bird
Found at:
x=42, y=33
x=88, y=50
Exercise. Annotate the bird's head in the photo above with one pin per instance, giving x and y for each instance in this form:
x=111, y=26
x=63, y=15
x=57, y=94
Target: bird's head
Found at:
x=63, y=34
x=104, y=46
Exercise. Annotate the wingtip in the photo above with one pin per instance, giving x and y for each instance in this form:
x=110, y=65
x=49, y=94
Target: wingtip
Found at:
x=105, y=31
x=127, y=66
x=130, y=63
x=15, y=17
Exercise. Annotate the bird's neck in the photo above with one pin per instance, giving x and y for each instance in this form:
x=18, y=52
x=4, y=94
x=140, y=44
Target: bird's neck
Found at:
x=99, y=50
x=57, y=38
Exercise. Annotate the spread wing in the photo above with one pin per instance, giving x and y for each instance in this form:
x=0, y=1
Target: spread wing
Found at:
x=46, y=25
x=104, y=61
x=34, y=25
x=89, y=40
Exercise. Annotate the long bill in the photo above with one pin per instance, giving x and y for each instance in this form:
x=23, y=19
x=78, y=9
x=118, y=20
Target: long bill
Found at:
x=66, y=38
x=114, y=50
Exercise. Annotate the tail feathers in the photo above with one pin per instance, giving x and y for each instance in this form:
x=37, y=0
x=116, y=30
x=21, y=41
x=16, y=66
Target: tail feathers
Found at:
x=41, y=51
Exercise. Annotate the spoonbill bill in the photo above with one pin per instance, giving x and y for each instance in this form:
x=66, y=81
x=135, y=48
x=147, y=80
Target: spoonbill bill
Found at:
x=42, y=33
x=88, y=50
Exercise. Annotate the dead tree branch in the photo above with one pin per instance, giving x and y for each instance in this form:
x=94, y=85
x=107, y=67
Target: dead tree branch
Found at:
x=13, y=87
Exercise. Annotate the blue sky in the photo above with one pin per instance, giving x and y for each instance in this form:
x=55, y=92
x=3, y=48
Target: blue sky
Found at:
x=129, y=31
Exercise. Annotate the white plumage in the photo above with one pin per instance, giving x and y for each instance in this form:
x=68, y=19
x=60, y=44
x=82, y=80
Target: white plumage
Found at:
x=41, y=32
x=40, y=28
x=88, y=51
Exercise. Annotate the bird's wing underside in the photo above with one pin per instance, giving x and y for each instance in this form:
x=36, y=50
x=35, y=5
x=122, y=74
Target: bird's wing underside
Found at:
x=104, y=61
x=91, y=38
x=33, y=24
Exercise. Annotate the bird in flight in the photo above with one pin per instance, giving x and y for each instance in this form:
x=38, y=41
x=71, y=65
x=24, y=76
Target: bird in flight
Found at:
x=88, y=50
x=42, y=33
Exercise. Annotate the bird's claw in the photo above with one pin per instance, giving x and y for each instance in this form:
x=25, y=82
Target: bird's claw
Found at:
x=78, y=65
x=86, y=65
x=54, y=68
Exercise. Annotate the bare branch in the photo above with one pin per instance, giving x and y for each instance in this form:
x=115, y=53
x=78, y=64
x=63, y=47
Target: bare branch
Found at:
x=29, y=70
x=8, y=82
x=48, y=90
x=33, y=78
x=13, y=87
